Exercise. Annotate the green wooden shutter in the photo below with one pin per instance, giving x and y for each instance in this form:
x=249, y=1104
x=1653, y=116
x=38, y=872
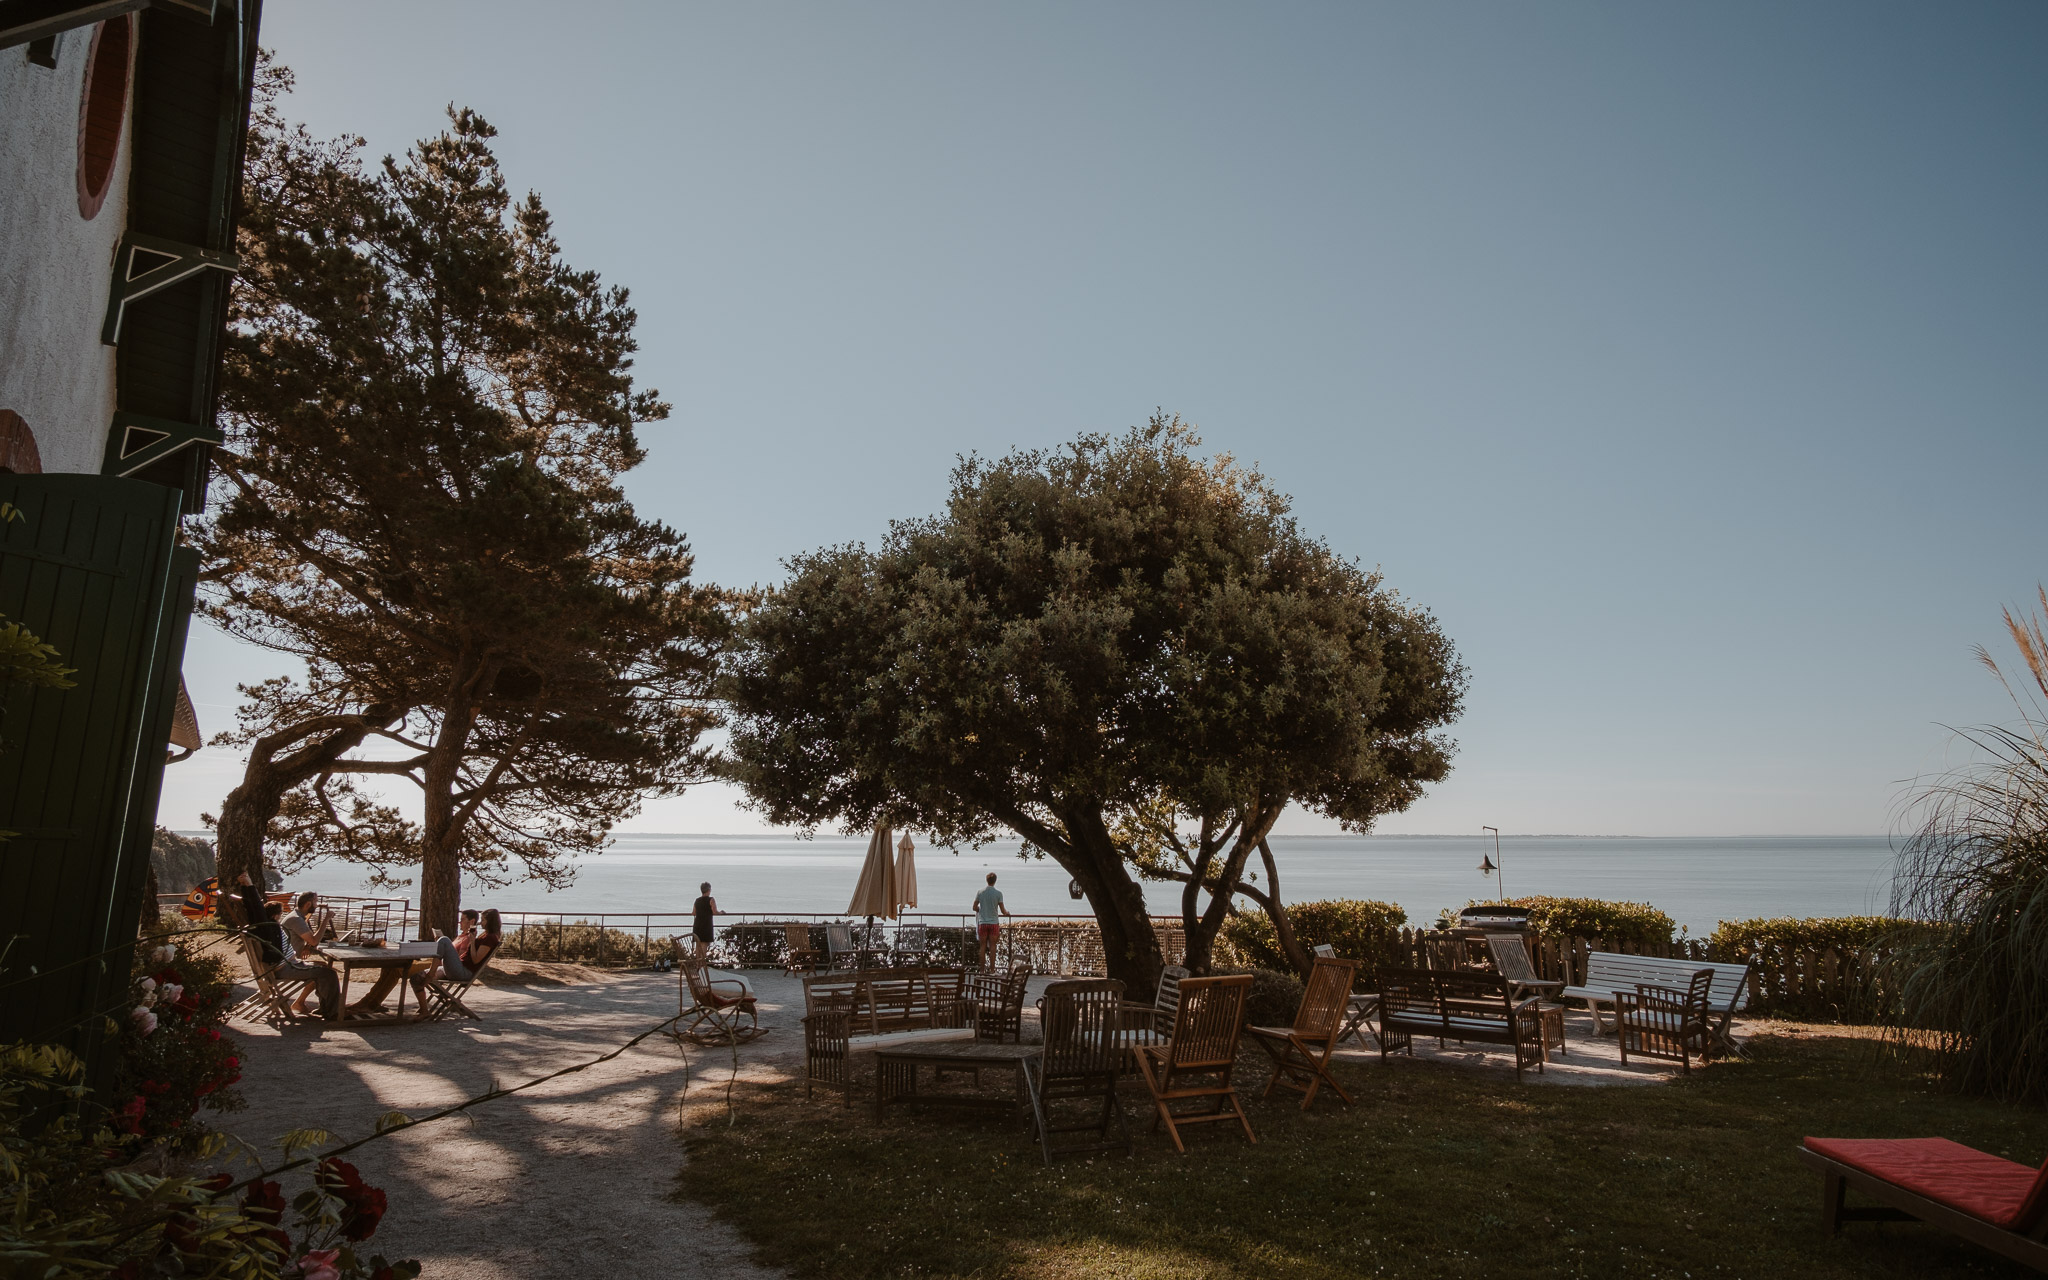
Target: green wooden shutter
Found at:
x=89, y=568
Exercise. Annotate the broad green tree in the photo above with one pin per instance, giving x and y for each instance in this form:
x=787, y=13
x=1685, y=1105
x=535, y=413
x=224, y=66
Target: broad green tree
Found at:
x=1090, y=642
x=428, y=412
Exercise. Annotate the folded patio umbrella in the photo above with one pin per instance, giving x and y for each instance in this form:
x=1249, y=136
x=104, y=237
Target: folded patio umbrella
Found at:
x=906, y=872
x=876, y=893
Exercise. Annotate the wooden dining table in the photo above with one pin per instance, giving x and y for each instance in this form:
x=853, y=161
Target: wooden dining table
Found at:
x=346, y=958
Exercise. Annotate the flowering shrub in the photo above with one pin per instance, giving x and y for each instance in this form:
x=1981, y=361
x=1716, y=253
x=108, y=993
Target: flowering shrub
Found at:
x=79, y=1204
x=173, y=1058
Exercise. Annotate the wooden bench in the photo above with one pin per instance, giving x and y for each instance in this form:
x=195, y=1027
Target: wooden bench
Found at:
x=847, y=1012
x=1608, y=972
x=1458, y=1005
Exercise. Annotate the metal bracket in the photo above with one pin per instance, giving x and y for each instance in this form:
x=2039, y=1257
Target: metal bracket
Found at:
x=145, y=264
x=136, y=442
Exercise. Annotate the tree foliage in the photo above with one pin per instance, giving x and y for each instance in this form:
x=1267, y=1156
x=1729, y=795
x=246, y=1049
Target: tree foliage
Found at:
x=1089, y=636
x=428, y=411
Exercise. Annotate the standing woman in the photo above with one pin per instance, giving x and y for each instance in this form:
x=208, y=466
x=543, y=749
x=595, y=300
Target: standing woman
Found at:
x=704, y=908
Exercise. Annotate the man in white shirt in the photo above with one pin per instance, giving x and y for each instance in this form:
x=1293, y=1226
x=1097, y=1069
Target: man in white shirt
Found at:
x=304, y=929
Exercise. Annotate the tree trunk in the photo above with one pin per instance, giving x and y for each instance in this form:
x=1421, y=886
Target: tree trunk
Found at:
x=1276, y=910
x=246, y=813
x=442, y=819
x=1202, y=937
x=1130, y=946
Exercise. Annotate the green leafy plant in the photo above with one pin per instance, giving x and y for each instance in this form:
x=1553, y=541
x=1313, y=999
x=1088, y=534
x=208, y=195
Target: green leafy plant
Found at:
x=81, y=1202
x=1274, y=999
x=1747, y=939
x=1359, y=929
x=1630, y=923
x=1973, y=993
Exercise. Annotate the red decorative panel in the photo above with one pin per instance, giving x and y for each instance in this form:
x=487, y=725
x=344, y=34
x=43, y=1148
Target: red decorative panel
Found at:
x=102, y=110
x=18, y=446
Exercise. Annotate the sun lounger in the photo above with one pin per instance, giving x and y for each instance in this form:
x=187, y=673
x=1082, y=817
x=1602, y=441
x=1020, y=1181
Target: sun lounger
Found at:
x=1994, y=1202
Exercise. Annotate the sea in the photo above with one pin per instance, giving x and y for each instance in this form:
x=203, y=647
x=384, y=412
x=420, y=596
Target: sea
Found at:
x=1697, y=881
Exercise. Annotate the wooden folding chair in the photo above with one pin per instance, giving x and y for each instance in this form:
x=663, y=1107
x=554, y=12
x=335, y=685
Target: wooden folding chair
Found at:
x=798, y=955
x=1359, y=1007
x=1301, y=1053
x=1082, y=1059
x=271, y=1002
x=1196, y=1062
x=1153, y=1023
x=1511, y=960
x=441, y=997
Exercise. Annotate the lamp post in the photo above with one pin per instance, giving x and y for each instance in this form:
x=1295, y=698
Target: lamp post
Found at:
x=1491, y=866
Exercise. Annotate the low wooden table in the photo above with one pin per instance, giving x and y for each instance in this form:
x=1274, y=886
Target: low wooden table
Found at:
x=896, y=1070
x=347, y=959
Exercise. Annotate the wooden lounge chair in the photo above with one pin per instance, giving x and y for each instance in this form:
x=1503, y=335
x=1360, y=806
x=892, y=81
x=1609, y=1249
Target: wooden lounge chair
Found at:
x=271, y=1002
x=441, y=995
x=1359, y=1010
x=1511, y=960
x=1660, y=1022
x=1196, y=1062
x=715, y=1007
x=1301, y=1053
x=1083, y=1057
x=1153, y=1023
x=1994, y=1202
x=798, y=955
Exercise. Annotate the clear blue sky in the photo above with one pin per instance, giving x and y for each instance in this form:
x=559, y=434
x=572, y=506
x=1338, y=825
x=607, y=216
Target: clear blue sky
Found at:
x=1689, y=362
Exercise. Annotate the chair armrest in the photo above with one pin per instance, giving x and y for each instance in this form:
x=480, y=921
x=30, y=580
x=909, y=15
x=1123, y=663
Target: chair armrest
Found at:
x=740, y=988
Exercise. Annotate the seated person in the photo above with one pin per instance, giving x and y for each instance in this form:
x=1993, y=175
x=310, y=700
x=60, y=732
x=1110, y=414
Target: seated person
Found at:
x=467, y=949
x=268, y=931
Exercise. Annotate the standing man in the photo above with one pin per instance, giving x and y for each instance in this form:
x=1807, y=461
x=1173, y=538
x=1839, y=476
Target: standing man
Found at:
x=987, y=927
x=702, y=910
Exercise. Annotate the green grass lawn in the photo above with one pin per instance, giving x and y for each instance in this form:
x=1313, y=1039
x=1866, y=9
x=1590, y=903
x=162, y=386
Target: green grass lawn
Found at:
x=1436, y=1171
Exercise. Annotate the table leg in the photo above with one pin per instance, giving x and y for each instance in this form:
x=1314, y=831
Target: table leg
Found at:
x=341, y=982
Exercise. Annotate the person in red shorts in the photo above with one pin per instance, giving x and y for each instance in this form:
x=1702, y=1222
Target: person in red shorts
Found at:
x=988, y=927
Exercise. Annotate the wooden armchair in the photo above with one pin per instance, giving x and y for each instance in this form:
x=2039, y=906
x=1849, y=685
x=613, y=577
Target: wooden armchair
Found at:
x=1195, y=1064
x=715, y=1007
x=1082, y=1059
x=1358, y=1010
x=1660, y=1022
x=1301, y=1053
x=911, y=945
x=995, y=1004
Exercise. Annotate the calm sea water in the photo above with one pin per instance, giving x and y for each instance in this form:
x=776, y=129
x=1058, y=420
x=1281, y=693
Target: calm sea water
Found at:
x=1697, y=881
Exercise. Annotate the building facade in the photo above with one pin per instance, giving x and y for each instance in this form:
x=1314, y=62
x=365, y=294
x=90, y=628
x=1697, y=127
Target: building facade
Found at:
x=121, y=126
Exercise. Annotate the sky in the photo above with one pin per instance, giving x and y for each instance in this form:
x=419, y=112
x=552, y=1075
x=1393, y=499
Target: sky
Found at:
x=1686, y=362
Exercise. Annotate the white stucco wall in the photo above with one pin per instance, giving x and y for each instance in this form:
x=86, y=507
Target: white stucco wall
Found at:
x=54, y=264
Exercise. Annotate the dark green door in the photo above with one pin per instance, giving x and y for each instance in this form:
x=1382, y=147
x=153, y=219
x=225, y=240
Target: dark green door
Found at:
x=89, y=568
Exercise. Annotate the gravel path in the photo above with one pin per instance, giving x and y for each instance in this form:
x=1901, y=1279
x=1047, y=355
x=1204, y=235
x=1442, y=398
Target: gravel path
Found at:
x=569, y=1179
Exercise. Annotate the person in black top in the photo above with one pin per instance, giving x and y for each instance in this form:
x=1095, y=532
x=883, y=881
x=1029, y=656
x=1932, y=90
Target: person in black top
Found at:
x=704, y=908
x=263, y=926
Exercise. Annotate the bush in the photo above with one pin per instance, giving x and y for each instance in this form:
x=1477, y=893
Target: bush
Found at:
x=581, y=942
x=1631, y=923
x=1357, y=928
x=1737, y=940
x=81, y=1203
x=171, y=1056
x=1274, y=999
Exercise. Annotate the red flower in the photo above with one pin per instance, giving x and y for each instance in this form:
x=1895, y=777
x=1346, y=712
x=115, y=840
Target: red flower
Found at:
x=181, y=1232
x=151, y=1088
x=362, y=1204
x=212, y=1034
x=218, y=1183
x=129, y=1118
x=263, y=1204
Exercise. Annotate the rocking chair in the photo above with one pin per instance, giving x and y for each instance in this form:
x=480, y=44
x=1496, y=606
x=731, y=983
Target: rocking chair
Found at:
x=715, y=1007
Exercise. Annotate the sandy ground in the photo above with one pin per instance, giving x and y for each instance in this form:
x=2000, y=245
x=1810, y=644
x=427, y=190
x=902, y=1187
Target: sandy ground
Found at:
x=578, y=1172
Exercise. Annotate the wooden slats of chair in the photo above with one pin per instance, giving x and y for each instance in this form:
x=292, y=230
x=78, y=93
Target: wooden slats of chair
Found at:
x=1082, y=1059
x=1197, y=1061
x=275, y=989
x=1301, y=1053
x=1660, y=1022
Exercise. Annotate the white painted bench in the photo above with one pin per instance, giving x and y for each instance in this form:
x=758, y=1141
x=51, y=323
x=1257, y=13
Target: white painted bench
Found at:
x=1608, y=972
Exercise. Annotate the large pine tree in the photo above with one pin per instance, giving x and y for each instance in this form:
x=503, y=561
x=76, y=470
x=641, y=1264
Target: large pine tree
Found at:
x=428, y=412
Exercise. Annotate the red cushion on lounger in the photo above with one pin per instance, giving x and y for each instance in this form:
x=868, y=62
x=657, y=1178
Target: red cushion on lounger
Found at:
x=1999, y=1191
